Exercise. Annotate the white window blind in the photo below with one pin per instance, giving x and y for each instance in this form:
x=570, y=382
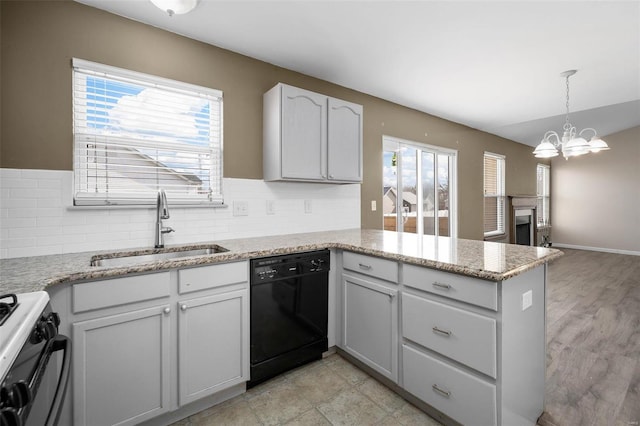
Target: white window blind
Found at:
x=135, y=133
x=544, y=194
x=494, y=194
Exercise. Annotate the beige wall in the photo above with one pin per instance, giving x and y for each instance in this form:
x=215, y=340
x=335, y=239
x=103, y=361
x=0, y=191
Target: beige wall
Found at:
x=595, y=199
x=40, y=38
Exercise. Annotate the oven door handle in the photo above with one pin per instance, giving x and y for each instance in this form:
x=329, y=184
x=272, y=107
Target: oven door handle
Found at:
x=60, y=343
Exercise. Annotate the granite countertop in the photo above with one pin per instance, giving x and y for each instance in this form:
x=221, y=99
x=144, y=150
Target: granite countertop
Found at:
x=479, y=259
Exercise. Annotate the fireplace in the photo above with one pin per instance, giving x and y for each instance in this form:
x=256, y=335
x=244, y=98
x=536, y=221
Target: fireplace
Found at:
x=524, y=227
x=523, y=219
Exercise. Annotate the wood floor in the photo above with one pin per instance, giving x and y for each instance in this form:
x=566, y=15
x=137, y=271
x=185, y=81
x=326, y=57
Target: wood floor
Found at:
x=593, y=340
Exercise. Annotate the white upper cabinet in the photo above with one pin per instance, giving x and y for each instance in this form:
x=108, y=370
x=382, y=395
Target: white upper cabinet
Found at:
x=344, y=141
x=311, y=137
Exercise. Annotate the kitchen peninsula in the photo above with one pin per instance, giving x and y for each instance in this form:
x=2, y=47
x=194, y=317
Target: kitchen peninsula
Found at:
x=455, y=326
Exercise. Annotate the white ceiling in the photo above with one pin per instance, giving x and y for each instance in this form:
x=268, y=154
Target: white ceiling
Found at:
x=493, y=66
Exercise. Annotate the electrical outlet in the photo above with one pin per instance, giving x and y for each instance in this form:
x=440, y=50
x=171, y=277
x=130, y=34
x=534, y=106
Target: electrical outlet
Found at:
x=373, y=205
x=271, y=208
x=527, y=300
x=307, y=206
x=241, y=208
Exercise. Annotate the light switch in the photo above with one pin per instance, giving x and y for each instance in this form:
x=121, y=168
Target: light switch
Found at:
x=527, y=300
x=373, y=205
x=271, y=209
x=307, y=206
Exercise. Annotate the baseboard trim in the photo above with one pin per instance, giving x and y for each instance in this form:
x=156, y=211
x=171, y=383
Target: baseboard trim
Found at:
x=604, y=249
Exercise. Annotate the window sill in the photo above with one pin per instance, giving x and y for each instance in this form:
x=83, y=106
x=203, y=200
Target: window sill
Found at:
x=148, y=207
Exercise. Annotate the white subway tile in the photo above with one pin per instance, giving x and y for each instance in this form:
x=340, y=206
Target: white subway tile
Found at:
x=50, y=183
x=10, y=173
x=14, y=222
x=19, y=242
x=49, y=221
x=49, y=203
x=20, y=183
x=17, y=203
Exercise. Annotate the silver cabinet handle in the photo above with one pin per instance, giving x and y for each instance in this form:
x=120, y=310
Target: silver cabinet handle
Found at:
x=167, y=311
x=441, y=391
x=363, y=266
x=442, y=286
x=443, y=332
x=391, y=296
x=183, y=307
x=330, y=176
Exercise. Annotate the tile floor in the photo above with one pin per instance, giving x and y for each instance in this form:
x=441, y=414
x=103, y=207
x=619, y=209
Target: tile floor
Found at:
x=331, y=391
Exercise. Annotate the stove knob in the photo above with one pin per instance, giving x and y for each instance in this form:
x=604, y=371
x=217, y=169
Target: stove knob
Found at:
x=44, y=330
x=9, y=417
x=54, y=318
x=17, y=395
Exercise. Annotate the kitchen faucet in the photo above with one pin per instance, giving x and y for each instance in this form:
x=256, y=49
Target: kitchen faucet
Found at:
x=162, y=212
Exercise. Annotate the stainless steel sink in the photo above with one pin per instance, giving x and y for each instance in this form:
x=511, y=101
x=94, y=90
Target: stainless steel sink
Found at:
x=147, y=256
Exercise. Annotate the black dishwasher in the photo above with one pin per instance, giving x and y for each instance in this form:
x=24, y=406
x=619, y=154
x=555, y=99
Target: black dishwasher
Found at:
x=289, y=303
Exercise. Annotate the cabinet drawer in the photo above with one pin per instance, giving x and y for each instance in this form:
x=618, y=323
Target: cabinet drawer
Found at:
x=119, y=291
x=463, y=397
x=369, y=265
x=464, y=336
x=207, y=277
x=466, y=289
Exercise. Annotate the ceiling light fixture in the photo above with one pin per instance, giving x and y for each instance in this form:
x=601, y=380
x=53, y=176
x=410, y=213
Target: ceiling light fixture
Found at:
x=572, y=143
x=175, y=7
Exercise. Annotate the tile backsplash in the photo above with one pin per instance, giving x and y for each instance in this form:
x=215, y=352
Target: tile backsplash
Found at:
x=36, y=216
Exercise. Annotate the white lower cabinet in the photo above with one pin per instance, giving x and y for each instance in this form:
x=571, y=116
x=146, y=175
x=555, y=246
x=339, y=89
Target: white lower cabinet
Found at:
x=213, y=339
x=370, y=324
x=466, y=347
x=122, y=367
x=458, y=394
x=125, y=369
x=464, y=336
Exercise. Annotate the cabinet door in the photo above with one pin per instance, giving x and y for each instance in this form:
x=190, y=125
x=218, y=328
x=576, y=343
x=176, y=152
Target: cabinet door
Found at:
x=370, y=321
x=304, y=134
x=344, y=141
x=213, y=344
x=121, y=367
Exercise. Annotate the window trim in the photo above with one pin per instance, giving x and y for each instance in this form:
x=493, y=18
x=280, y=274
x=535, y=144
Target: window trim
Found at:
x=500, y=196
x=101, y=200
x=540, y=215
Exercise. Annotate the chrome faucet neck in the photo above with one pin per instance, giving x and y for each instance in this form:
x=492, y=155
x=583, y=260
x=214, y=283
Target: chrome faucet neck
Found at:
x=162, y=212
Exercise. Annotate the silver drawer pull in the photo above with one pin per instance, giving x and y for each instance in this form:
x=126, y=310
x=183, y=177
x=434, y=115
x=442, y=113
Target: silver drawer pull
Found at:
x=443, y=332
x=363, y=266
x=441, y=391
x=442, y=286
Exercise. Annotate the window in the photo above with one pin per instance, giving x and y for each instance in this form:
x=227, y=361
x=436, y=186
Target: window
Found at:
x=544, y=194
x=419, y=188
x=135, y=133
x=494, y=196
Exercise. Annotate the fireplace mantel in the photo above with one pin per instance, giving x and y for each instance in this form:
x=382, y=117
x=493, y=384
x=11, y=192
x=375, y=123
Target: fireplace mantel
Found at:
x=530, y=201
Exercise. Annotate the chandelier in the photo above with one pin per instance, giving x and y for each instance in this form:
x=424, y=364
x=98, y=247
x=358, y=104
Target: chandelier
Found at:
x=175, y=7
x=572, y=143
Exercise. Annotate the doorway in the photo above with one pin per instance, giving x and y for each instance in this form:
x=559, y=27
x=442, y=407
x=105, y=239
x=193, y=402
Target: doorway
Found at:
x=419, y=188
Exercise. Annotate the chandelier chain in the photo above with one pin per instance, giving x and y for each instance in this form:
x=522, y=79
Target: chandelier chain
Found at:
x=567, y=125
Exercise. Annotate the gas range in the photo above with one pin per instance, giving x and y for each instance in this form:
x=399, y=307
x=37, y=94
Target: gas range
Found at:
x=32, y=381
x=18, y=315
